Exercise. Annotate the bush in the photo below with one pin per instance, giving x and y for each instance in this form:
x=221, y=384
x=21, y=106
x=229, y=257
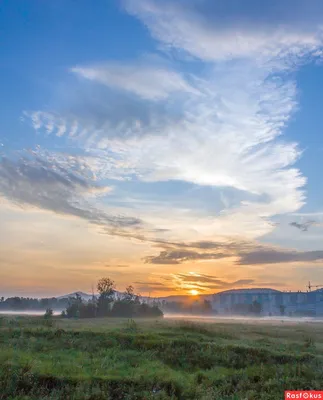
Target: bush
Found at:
x=131, y=309
x=48, y=313
x=81, y=310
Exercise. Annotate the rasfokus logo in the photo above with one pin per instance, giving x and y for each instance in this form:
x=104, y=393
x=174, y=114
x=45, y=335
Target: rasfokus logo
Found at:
x=303, y=394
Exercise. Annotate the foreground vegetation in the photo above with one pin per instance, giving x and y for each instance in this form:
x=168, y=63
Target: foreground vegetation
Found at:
x=107, y=358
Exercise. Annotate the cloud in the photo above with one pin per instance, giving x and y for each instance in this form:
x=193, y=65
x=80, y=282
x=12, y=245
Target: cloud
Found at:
x=227, y=29
x=302, y=226
x=148, y=287
x=223, y=131
x=46, y=184
x=273, y=256
x=245, y=253
x=226, y=138
x=207, y=282
x=179, y=256
x=181, y=252
x=146, y=81
x=92, y=116
x=116, y=266
x=201, y=278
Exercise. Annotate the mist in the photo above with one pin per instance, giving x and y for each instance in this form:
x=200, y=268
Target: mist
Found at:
x=27, y=312
x=273, y=320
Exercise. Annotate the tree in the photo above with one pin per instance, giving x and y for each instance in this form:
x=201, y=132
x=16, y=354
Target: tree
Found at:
x=106, y=289
x=48, y=313
x=80, y=309
x=129, y=294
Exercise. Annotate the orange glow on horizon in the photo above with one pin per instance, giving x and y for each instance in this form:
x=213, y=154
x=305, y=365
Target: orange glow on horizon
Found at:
x=194, y=292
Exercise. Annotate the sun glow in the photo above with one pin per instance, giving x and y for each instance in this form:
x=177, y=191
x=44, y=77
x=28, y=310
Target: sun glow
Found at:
x=194, y=292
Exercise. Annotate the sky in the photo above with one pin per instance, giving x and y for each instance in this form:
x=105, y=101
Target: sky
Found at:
x=172, y=145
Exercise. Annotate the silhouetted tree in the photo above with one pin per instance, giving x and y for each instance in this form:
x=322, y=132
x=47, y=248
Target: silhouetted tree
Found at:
x=77, y=308
x=129, y=294
x=48, y=313
x=106, y=289
x=26, y=303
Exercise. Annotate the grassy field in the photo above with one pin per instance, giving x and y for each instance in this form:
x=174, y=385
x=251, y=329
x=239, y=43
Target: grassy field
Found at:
x=164, y=359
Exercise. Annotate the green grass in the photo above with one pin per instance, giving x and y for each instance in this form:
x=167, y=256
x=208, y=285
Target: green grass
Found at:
x=164, y=359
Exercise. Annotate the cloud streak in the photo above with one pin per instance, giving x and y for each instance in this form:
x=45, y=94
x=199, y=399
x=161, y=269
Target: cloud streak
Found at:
x=149, y=82
x=272, y=256
x=180, y=256
x=205, y=283
x=48, y=185
x=216, y=31
x=245, y=253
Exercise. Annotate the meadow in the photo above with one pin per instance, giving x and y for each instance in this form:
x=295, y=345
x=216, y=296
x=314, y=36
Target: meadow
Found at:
x=110, y=358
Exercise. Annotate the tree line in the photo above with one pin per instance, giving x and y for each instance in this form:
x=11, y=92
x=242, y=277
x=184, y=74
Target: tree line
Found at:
x=26, y=303
x=106, y=304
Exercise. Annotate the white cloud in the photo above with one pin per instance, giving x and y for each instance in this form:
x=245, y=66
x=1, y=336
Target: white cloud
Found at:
x=229, y=29
x=233, y=113
x=49, y=122
x=227, y=137
x=60, y=185
x=148, y=82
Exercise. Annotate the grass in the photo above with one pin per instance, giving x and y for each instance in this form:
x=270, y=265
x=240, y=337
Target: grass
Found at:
x=163, y=359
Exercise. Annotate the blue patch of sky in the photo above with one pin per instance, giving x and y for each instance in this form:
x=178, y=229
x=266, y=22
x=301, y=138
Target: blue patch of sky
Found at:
x=306, y=128
x=41, y=40
x=208, y=200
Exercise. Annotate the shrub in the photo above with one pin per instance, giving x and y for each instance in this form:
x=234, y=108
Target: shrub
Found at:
x=48, y=313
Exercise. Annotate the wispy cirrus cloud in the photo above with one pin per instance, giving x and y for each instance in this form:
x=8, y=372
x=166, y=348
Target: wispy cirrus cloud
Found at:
x=225, y=131
x=220, y=142
x=151, y=82
x=46, y=184
x=228, y=29
x=116, y=266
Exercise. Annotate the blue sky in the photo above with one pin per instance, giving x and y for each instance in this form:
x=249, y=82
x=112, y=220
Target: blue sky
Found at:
x=180, y=140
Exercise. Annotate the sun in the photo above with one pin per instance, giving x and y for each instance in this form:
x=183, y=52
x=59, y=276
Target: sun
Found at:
x=194, y=292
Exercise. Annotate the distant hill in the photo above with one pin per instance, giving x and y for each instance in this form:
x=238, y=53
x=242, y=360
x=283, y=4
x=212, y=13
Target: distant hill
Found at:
x=85, y=296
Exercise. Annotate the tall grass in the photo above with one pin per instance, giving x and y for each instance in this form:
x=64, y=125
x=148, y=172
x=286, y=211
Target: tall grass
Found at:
x=154, y=360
